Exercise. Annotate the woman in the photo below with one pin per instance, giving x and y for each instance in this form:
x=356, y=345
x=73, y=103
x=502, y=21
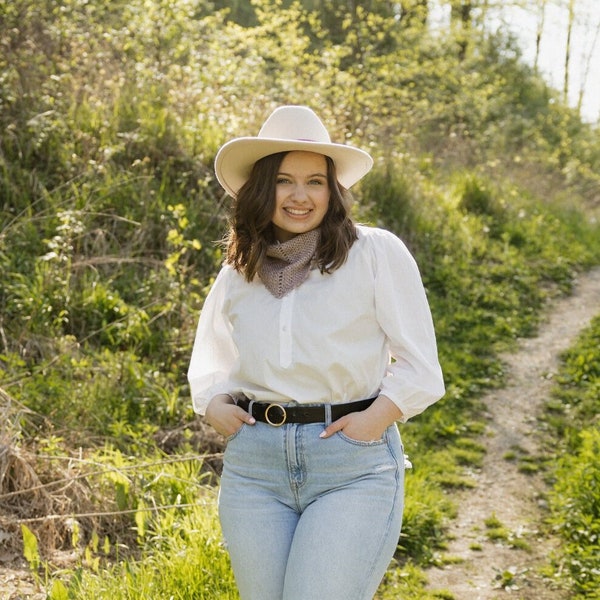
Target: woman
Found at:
x=315, y=338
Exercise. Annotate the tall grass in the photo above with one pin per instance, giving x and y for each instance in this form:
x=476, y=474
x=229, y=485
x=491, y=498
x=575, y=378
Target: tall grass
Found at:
x=185, y=559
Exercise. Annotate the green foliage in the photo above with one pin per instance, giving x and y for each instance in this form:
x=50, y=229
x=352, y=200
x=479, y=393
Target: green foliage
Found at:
x=30, y=548
x=58, y=591
x=576, y=512
x=111, y=115
x=575, y=399
x=388, y=199
x=407, y=581
x=424, y=514
x=575, y=498
x=186, y=562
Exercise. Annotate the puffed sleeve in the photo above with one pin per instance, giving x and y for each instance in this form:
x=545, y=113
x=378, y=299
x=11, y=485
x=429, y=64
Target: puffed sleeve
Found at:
x=414, y=379
x=214, y=352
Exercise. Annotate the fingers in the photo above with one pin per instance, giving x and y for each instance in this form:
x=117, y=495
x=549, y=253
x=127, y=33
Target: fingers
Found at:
x=333, y=428
x=244, y=416
x=227, y=418
x=358, y=426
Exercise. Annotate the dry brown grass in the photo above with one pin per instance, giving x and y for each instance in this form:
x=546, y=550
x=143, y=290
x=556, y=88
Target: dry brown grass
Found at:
x=55, y=494
x=44, y=493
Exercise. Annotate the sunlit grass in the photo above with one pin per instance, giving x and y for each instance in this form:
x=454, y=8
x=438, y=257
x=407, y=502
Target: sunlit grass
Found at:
x=183, y=558
x=110, y=211
x=574, y=467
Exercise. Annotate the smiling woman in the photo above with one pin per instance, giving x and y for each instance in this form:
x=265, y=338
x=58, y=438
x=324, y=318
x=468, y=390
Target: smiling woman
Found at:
x=302, y=194
x=305, y=372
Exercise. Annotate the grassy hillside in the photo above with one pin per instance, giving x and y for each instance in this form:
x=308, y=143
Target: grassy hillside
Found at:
x=111, y=114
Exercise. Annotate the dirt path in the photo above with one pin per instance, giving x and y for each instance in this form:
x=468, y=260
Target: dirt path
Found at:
x=493, y=571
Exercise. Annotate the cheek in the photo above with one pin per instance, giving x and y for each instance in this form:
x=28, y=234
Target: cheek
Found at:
x=278, y=200
x=324, y=203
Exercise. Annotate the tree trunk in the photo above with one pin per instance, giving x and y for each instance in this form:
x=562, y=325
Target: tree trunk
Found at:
x=587, y=67
x=460, y=15
x=538, y=33
x=570, y=23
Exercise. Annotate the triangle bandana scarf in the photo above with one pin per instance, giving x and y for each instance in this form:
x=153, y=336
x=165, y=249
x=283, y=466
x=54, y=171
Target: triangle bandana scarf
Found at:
x=287, y=265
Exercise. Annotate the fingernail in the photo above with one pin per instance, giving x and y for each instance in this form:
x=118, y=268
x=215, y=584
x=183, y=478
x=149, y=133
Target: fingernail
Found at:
x=323, y=434
x=252, y=420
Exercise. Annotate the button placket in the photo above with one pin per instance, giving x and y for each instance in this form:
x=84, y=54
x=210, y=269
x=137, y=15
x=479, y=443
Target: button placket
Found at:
x=285, y=329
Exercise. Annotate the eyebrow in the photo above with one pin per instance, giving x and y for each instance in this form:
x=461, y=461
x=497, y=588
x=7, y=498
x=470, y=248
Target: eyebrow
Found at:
x=308, y=176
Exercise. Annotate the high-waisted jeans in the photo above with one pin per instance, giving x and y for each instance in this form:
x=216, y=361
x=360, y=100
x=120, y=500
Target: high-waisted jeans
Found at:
x=306, y=518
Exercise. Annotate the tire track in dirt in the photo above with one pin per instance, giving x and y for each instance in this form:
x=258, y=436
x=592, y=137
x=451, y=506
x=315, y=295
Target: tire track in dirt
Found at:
x=482, y=566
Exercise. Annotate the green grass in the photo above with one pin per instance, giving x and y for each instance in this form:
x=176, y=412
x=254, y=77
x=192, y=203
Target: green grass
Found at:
x=187, y=561
x=575, y=472
x=109, y=213
x=478, y=286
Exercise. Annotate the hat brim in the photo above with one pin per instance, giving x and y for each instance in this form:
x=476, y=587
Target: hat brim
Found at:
x=235, y=159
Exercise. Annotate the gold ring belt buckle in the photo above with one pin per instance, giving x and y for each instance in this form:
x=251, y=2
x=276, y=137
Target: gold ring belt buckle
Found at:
x=283, y=415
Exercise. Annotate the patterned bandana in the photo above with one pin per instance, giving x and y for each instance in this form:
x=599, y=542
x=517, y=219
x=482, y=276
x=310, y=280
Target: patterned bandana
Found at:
x=288, y=264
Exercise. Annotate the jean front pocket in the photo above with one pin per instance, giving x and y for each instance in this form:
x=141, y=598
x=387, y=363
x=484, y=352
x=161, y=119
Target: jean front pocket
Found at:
x=235, y=434
x=362, y=443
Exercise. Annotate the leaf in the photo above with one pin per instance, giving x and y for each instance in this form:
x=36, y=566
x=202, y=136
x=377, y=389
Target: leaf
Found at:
x=30, y=548
x=141, y=516
x=58, y=591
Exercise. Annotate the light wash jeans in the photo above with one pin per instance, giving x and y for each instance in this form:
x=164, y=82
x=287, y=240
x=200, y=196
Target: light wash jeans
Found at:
x=306, y=518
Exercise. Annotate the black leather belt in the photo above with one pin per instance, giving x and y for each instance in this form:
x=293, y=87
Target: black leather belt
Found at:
x=278, y=414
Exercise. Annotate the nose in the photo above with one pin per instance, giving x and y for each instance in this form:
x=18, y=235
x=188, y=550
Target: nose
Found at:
x=299, y=192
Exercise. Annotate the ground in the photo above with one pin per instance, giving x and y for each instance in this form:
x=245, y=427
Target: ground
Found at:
x=480, y=569
x=477, y=568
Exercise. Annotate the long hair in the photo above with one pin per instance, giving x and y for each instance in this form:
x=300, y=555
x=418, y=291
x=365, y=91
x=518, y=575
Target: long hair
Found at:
x=251, y=229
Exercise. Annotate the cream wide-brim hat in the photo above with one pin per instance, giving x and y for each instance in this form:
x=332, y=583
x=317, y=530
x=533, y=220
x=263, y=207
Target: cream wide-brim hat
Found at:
x=288, y=128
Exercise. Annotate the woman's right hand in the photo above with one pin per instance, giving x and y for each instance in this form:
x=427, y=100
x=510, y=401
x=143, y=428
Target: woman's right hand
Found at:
x=225, y=416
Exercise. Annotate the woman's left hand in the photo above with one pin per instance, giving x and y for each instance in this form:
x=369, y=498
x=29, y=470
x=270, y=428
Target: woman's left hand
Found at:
x=367, y=425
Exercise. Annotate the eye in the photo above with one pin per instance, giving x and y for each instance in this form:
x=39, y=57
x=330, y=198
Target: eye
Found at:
x=282, y=180
x=316, y=182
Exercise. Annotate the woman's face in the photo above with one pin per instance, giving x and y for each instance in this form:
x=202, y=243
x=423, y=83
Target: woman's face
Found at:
x=301, y=194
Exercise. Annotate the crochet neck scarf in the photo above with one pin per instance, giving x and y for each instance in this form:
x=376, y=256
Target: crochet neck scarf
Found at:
x=287, y=265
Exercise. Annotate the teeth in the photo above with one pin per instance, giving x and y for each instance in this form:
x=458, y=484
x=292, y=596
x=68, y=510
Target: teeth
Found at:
x=296, y=211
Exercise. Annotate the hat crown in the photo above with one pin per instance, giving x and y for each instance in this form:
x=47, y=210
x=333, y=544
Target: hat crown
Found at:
x=298, y=123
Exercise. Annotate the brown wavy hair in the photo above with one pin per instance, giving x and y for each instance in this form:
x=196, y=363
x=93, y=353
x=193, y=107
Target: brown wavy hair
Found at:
x=251, y=229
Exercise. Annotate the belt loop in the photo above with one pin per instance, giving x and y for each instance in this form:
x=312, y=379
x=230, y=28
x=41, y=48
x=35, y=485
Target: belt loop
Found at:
x=327, y=415
x=250, y=408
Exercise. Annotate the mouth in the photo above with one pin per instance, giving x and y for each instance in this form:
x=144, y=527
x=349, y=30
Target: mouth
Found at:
x=297, y=212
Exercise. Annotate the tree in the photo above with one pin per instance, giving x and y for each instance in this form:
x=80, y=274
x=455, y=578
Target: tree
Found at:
x=461, y=15
x=587, y=64
x=414, y=13
x=538, y=32
x=570, y=23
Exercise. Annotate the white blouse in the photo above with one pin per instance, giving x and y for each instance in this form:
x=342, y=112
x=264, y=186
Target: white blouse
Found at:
x=363, y=330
